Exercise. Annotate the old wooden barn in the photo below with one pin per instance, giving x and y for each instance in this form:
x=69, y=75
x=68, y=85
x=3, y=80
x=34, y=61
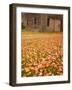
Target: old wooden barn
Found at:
x=42, y=22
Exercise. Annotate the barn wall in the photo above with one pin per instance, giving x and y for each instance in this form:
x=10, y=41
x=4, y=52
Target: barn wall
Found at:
x=38, y=22
x=57, y=25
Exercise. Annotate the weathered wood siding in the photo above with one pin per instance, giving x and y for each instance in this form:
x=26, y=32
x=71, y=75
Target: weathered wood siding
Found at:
x=42, y=22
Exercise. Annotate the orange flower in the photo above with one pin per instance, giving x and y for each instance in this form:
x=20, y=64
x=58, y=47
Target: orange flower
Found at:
x=41, y=51
x=27, y=69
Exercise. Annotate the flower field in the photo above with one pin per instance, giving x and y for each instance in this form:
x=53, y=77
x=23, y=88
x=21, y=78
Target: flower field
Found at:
x=42, y=54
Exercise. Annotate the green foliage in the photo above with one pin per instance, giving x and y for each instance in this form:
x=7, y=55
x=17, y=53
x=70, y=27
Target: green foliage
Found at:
x=51, y=70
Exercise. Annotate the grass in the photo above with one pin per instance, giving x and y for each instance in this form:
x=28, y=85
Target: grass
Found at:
x=35, y=32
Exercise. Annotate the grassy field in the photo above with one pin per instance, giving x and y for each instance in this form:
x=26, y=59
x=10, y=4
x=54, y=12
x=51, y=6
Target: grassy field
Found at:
x=42, y=54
